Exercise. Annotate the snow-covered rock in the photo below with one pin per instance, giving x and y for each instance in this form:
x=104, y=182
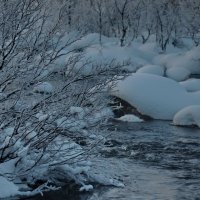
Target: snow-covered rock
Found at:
x=130, y=118
x=152, y=69
x=188, y=116
x=191, y=85
x=155, y=96
x=178, y=73
x=44, y=87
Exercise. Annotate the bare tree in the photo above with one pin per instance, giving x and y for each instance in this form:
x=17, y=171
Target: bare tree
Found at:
x=38, y=124
x=191, y=20
x=165, y=23
x=121, y=8
x=98, y=8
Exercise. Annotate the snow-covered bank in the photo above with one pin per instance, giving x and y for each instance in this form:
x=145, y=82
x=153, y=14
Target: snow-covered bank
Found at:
x=158, y=97
x=155, y=96
x=69, y=102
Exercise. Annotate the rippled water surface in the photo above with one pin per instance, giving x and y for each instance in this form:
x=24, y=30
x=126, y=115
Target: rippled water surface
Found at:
x=155, y=160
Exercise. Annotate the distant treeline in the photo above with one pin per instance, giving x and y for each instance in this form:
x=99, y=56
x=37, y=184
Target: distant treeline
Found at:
x=168, y=20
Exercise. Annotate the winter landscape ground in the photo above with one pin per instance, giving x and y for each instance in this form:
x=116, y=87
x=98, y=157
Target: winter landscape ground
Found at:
x=66, y=71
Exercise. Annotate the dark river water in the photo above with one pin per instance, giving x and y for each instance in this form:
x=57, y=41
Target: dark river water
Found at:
x=155, y=160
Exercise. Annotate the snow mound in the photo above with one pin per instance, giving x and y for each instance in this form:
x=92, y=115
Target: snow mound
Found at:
x=44, y=87
x=149, y=50
x=189, y=60
x=188, y=116
x=155, y=96
x=97, y=56
x=130, y=118
x=152, y=69
x=178, y=73
x=7, y=189
x=191, y=85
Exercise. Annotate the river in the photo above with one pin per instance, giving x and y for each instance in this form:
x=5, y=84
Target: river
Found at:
x=154, y=159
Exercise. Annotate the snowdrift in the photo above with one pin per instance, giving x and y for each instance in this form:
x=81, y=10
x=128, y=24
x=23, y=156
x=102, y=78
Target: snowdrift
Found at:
x=155, y=96
x=191, y=85
x=152, y=69
x=188, y=116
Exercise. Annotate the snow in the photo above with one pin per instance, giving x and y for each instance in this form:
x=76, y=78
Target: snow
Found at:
x=30, y=135
x=83, y=47
x=155, y=96
x=188, y=116
x=23, y=152
x=42, y=117
x=8, y=131
x=92, y=39
x=6, y=142
x=43, y=73
x=77, y=111
x=44, y=87
x=148, y=50
x=71, y=124
x=80, y=118
x=20, y=105
x=144, y=58
x=86, y=188
x=178, y=73
x=149, y=92
x=152, y=69
x=135, y=55
x=130, y=118
x=8, y=166
x=2, y=95
x=100, y=115
x=105, y=180
x=7, y=189
x=188, y=60
x=100, y=56
x=191, y=85
x=5, y=136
